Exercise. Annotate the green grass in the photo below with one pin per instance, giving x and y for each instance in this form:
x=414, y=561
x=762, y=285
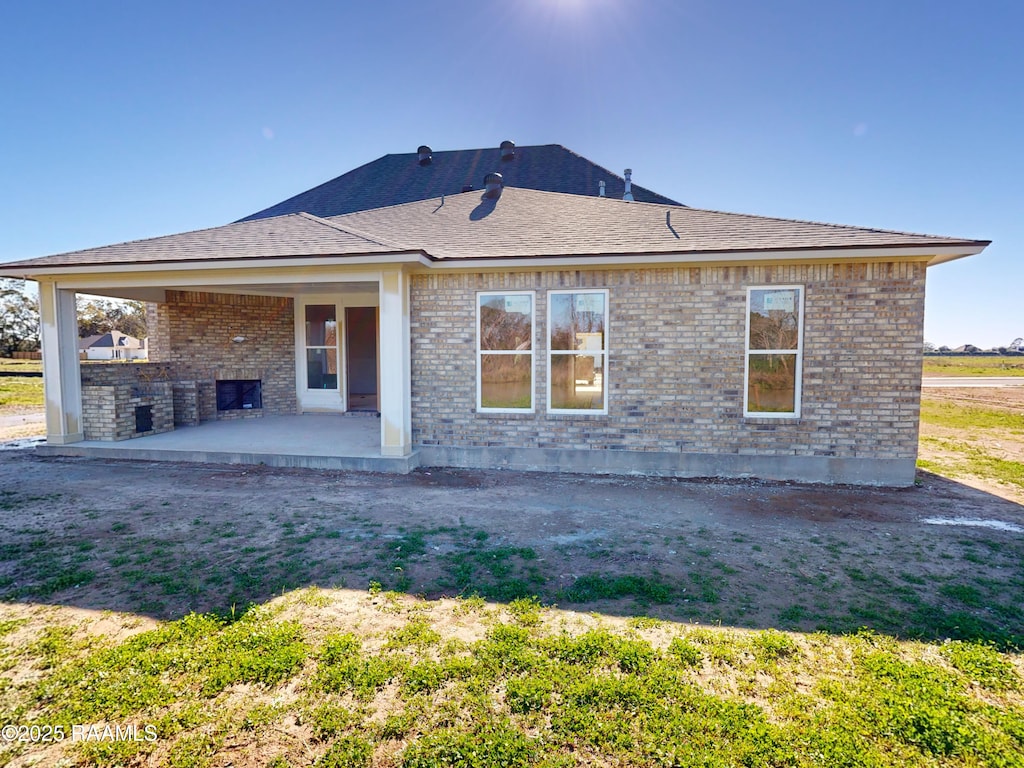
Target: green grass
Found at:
x=968, y=453
x=956, y=416
x=523, y=686
x=972, y=365
x=21, y=392
x=9, y=365
x=970, y=459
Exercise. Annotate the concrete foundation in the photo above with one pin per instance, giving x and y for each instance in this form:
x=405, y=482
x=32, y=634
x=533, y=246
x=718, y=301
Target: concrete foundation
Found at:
x=806, y=469
x=332, y=441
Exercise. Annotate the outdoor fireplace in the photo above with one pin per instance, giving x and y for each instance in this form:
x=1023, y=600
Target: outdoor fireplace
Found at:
x=239, y=394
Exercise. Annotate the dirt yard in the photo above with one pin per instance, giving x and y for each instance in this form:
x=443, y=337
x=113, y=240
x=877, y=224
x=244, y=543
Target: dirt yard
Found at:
x=157, y=539
x=978, y=440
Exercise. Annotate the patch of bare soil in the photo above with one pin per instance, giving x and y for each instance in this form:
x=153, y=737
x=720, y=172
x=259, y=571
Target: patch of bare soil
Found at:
x=18, y=423
x=1010, y=398
x=163, y=539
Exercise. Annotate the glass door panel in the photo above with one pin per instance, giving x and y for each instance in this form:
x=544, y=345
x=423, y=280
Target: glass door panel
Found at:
x=321, y=346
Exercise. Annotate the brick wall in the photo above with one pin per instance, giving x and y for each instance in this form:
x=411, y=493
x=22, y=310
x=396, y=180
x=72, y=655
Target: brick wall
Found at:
x=157, y=329
x=676, y=383
x=193, y=332
x=111, y=393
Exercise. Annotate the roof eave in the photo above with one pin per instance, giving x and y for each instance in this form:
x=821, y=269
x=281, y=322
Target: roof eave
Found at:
x=33, y=272
x=932, y=253
x=979, y=246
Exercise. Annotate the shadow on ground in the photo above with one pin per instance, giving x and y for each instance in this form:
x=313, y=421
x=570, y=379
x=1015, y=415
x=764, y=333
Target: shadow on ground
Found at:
x=167, y=539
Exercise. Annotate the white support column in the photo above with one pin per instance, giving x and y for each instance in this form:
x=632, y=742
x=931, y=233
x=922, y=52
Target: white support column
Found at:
x=395, y=368
x=62, y=383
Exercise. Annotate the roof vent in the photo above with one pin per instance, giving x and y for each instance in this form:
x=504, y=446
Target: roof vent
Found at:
x=493, y=183
x=508, y=150
x=628, y=194
x=424, y=155
x=600, y=189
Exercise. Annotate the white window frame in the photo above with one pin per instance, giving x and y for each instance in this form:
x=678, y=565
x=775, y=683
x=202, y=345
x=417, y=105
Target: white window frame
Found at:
x=605, y=353
x=799, y=352
x=532, y=352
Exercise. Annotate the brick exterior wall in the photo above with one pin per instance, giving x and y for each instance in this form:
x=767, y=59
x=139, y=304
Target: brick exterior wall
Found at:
x=157, y=328
x=186, y=403
x=193, y=332
x=676, y=376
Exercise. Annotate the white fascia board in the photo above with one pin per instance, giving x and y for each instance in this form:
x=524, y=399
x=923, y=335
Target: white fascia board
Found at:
x=242, y=265
x=935, y=254
x=307, y=269
x=184, y=279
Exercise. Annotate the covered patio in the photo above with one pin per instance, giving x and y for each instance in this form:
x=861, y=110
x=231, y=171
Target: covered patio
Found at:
x=311, y=440
x=277, y=318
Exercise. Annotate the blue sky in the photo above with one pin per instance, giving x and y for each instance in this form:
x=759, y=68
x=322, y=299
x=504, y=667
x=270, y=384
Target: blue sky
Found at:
x=122, y=120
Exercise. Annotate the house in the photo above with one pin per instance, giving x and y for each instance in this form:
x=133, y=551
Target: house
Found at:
x=112, y=345
x=508, y=326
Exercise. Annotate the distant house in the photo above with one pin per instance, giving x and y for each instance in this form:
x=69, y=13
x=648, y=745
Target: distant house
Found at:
x=112, y=345
x=518, y=307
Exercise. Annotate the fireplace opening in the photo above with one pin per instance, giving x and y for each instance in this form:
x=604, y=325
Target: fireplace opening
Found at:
x=239, y=394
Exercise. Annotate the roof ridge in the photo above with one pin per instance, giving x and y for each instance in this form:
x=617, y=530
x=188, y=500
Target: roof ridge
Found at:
x=416, y=202
x=478, y=149
x=353, y=231
x=305, y=192
x=480, y=192
x=622, y=179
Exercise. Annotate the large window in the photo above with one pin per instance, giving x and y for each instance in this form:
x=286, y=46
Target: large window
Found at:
x=578, y=351
x=774, y=351
x=504, y=348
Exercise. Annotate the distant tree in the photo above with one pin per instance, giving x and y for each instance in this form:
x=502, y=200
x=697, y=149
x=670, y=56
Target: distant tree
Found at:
x=944, y=349
x=99, y=316
x=1017, y=345
x=929, y=347
x=19, y=318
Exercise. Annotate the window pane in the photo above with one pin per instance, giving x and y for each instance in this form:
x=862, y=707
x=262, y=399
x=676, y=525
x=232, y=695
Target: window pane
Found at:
x=774, y=318
x=321, y=326
x=505, y=381
x=577, y=321
x=771, y=384
x=577, y=382
x=505, y=322
x=322, y=368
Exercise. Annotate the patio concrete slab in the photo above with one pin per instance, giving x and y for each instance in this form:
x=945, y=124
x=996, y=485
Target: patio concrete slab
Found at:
x=313, y=441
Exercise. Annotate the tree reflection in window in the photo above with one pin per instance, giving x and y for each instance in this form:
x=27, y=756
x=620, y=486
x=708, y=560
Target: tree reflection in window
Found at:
x=578, y=351
x=505, y=351
x=774, y=354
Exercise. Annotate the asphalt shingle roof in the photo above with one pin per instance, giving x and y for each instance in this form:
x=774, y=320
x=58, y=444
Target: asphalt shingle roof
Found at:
x=525, y=223
x=396, y=179
x=520, y=223
x=292, y=235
